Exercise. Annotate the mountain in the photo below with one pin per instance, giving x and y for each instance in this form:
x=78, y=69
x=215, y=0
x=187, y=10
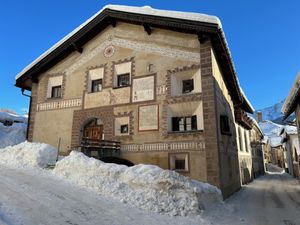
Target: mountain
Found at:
x=274, y=114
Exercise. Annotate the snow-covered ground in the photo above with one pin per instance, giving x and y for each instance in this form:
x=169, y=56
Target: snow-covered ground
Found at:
x=78, y=191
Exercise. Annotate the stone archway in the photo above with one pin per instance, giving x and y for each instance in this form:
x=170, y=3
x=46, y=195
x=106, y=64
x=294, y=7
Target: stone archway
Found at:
x=82, y=117
x=92, y=129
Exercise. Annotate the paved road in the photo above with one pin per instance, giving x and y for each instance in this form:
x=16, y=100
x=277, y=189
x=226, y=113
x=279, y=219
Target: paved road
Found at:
x=273, y=199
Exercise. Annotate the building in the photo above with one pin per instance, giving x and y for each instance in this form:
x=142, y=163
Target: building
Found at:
x=292, y=105
x=257, y=153
x=277, y=152
x=159, y=84
x=292, y=102
x=291, y=144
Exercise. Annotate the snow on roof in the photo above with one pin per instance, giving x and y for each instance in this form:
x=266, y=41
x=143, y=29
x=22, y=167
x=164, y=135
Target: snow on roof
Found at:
x=256, y=124
x=291, y=129
x=275, y=141
x=146, y=10
x=265, y=140
x=292, y=94
x=245, y=98
x=270, y=128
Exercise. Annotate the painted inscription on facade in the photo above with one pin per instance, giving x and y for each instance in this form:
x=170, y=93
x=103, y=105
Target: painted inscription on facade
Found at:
x=143, y=89
x=148, y=117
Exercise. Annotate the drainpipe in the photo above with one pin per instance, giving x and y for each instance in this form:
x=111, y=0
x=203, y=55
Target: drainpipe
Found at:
x=29, y=113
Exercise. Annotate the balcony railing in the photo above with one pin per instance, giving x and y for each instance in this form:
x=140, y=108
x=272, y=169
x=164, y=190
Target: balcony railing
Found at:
x=242, y=119
x=102, y=148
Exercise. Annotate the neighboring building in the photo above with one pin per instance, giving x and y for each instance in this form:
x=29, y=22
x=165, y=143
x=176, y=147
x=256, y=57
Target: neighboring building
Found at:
x=256, y=140
x=291, y=144
x=266, y=150
x=244, y=153
x=292, y=103
x=161, y=83
x=277, y=152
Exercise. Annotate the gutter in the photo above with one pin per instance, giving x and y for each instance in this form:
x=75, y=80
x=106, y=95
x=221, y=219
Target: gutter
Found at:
x=29, y=113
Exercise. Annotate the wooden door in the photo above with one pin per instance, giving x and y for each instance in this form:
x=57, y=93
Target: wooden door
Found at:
x=93, y=132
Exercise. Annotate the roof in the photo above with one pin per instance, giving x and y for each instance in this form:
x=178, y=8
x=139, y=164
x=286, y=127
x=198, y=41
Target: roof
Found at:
x=290, y=102
x=275, y=141
x=258, y=127
x=246, y=103
x=186, y=22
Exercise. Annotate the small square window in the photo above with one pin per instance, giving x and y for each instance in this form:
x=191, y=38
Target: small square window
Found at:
x=179, y=162
x=96, y=85
x=123, y=80
x=124, y=129
x=187, y=86
x=56, y=92
x=224, y=123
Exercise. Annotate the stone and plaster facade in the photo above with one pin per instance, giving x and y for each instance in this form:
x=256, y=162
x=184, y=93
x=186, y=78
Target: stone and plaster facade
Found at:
x=292, y=150
x=292, y=105
x=140, y=115
x=257, y=153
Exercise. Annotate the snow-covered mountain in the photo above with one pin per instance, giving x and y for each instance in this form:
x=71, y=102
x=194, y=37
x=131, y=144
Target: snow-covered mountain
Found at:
x=273, y=113
x=12, y=128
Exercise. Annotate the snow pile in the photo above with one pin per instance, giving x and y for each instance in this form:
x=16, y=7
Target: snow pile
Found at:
x=273, y=169
x=12, y=135
x=28, y=155
x=144, y=186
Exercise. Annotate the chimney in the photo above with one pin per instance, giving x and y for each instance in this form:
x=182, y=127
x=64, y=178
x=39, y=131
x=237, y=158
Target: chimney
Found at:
x=259, y=116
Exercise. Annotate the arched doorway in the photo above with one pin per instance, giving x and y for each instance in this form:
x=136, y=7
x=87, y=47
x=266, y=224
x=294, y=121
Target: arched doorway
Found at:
x=92, y=130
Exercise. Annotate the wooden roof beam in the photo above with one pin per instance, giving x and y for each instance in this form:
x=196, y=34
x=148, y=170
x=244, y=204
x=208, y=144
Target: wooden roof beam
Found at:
x=147, y=28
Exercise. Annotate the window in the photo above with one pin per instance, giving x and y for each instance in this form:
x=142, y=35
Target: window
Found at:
x=123, y=80
x=187, y=86
x=183, y=124
x=96, y=85
x=124, y=129
x=179, y=162
x=224, y=124
x=54, y=87
x=246, y=141
x=122, y=74
x=121, y=126
x=56, y=92
x=240, y=139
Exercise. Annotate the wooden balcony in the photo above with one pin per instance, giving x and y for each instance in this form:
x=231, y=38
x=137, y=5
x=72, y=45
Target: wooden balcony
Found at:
x=242, y=119
x=100, y=148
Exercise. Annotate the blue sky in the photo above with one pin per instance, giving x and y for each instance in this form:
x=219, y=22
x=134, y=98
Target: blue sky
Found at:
x=263, y=37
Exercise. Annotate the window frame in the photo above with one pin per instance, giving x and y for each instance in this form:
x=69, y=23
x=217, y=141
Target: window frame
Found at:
x=121, y=129
x=57, y=87
x=180, y=157
x=92, y=85
x=182, y=121
x=225, y=125
x=122, y=75
x=185, y=90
